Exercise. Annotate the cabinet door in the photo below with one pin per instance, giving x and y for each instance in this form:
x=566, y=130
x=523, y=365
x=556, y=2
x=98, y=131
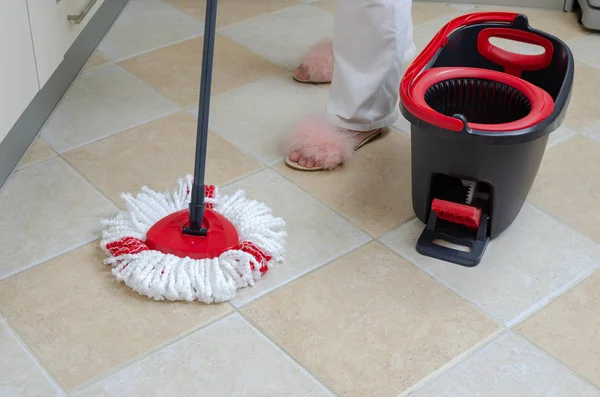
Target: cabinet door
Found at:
x=49, y=29
x=18, y=76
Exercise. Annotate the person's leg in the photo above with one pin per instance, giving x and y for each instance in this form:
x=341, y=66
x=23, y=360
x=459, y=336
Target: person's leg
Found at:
x=371, y=40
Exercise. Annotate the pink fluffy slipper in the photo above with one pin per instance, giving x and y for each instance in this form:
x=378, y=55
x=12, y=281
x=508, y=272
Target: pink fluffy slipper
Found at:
x=327, y=146
x=318, y=64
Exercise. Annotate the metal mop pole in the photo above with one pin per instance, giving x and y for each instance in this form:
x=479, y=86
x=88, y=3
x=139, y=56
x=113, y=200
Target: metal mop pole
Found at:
x=197, y=205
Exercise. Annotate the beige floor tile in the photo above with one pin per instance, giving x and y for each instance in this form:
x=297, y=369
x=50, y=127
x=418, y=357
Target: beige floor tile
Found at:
x=19, y=374
x=561, y=24
x=427, y=11
x=46, y=209
x=232, y=11
x=102, y=102
x=228, y=358
x=372, y=190
x=593, y=132
x=569, y=329
x=297, y=29
x=581, y=49
x=157, y=154
x=258, y=117
x=81, y=323
x=562, y=134
x=510, y=366
x=38, y=151
x=421, y=11
x=424, y=32
x=558, y=23
x=95, y=60
x=145, y=25
x=464, y=8
x=584, y=108
x=370, y=323
x=316, y=235
x=522, y=268
x=327, y=5
x=175, y=70
x=568, y=185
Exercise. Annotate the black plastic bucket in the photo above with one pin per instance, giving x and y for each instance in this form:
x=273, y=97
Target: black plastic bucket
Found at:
x=480, y=120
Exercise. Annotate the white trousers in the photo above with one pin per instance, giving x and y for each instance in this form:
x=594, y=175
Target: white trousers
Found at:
x=371, y=41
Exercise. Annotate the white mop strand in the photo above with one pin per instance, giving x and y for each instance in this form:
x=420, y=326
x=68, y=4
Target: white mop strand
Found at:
x=164, y=276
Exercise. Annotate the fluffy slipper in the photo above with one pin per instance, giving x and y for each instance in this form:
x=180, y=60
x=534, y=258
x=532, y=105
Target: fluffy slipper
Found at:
x=325, y=145
x=318, y=64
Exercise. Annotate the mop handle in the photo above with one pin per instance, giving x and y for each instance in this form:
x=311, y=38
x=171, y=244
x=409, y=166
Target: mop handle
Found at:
x=197, y=202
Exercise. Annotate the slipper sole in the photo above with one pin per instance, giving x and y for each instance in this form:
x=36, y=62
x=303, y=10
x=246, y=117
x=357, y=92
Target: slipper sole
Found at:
x=314, y=82
x=294, y=165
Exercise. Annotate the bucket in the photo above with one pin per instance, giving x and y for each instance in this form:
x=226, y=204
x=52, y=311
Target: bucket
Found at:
x=480, y=120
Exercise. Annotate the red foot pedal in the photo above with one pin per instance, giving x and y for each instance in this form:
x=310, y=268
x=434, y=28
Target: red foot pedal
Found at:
x=457, y=213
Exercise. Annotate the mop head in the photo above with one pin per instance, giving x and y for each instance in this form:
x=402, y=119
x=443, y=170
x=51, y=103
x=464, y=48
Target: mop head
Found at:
x=165, y=276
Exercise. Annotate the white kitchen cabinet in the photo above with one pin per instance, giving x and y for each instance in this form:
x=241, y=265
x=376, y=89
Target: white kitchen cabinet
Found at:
x=49, y=30
x=18, y=75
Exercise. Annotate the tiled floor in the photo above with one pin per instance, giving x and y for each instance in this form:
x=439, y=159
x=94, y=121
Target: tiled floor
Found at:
x=354, y=310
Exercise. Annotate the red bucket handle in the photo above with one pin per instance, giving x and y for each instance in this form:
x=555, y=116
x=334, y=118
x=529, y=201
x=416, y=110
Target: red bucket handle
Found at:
x=515, y=63
x=439, y=41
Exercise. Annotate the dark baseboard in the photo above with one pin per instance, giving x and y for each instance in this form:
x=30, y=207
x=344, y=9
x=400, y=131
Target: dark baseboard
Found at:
x=27, y=127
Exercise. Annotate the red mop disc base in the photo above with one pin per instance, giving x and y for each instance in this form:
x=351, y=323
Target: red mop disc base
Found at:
x=167, y=236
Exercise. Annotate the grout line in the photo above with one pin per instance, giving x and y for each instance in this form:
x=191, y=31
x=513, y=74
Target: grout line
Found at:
x=581, y=278
x=590, y=134
x=96, y=188
x=494, y=336
x=160, y=47
x=285, y=76
x=75, y=246
x=511, y=326
x=166, y=4
x=571, y=133
x=134, y=76
x=308, y=272
x=563, y=365
x=187, y=14
x=586, y=63
x=577, y=231
x=542, y=303
x=322, y=202
x=177, y=108
x=85, y=70
x=145, y=356
x=34, y=358
x=268, y=14
x=19, y=169
x=482, y=345
x=112, y=134
x=451, y=288
x=242, y=149
x=47, y=258
x=287, y=354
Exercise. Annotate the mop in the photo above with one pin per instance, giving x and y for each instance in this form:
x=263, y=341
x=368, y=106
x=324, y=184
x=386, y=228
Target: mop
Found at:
x=193, y=243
